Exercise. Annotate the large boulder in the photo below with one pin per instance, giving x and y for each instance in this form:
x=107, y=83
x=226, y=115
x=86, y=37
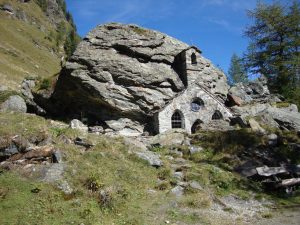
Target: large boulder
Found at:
x=27, y=87
x=124, y=71
x=14, y=104
x=253, y=91
x=270, y=115
x=78, y=125
x=8, y=8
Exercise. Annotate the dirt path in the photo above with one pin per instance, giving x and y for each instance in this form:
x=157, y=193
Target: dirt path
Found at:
x=288, y=217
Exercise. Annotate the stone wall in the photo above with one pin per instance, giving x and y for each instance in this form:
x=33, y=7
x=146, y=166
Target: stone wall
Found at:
x=183, y=104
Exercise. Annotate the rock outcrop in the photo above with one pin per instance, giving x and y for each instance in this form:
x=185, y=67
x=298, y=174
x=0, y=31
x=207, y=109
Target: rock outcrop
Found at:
x=125, y=71
x=14, y=104
x=253, y=99
x=255, y=91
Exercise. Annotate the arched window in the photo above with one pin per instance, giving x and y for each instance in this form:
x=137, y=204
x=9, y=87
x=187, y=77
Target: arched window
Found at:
x=217, y=115
x=177, y=120
x=194, y=59
x=196, y=126
x=197, y=104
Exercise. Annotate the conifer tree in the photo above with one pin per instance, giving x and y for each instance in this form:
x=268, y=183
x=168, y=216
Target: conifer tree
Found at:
x=237, y=72
x=274, y=44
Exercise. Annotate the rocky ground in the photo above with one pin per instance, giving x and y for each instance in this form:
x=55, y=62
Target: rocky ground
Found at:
x=165, y=179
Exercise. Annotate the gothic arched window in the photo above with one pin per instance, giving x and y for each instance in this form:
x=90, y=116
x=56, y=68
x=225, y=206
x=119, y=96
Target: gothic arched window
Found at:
x=177, y=120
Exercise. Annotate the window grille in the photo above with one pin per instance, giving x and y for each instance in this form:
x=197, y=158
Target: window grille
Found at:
x=176, y=120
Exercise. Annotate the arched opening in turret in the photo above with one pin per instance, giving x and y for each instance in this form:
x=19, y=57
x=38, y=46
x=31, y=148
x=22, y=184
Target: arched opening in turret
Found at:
x=177, y=120
x=196, y=126
x=217, y=115
x=194, y=59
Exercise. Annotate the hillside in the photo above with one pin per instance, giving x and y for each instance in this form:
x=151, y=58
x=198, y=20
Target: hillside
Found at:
x=78, y=145
x=32, y=40
x=57, y=175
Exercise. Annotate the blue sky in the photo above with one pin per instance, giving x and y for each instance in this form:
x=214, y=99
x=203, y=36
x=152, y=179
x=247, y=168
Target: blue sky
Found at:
x=215, y=26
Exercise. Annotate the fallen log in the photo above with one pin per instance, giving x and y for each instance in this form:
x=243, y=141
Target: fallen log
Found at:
x=270, y=171
x=288, y=182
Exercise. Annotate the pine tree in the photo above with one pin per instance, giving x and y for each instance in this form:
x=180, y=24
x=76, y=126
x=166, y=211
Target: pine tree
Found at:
x=237, y=72
x=274, y=44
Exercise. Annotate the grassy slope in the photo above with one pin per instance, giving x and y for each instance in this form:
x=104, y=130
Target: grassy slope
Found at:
x=24, y=48
x=107, y=161
x=126, y=179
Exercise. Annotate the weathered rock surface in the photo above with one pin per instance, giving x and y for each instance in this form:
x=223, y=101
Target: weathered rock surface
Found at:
x=170, y=138
x=140, y=149
x=270, y=116
x=78, y=125
x=125, y=71
x=125, y=126
x=151, y=157
x=177, y=191
x=256, y=127
x=26, y=90
x=14, y=104
x=8, y=8
x=254, y=91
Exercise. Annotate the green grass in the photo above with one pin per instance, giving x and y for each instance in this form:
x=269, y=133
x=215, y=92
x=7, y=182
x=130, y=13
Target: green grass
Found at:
x=282, y=104
x=197, y=200
x=25, y=49
x=140, y=31
x=190, y=218
x=4, y=95
x=122, y=179
x=106, y=167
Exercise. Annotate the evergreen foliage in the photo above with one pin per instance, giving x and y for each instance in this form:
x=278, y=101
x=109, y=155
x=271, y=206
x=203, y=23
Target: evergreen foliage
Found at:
x=43, y=4
x=71, y=43
x=237, y=72
x=62, y=5
x=274, y=46
x=66, y=31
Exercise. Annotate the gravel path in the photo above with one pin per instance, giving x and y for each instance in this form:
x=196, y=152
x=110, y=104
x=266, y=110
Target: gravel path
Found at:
x=288, y=217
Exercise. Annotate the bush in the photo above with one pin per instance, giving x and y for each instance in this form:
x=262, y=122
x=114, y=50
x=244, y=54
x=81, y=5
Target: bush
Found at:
x=93, y=183
x=112, y=197
x=45, y=84
x=164, y=185
x=43, y=4
x=164, y=173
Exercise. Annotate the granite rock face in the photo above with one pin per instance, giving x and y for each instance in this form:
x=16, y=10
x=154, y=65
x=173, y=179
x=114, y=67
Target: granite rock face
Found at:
x=124, y=71
x=253, y=91
x=14, y=104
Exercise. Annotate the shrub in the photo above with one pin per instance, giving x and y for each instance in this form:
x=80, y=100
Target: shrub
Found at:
x=45, y=84
x=93, y=183
x=164, y=185
x=164, y=173
x=43, y=4
x=112, y=197
x=140, y=31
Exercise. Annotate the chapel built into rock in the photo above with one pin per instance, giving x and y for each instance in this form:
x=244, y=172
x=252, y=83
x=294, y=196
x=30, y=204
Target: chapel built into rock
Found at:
x=127, y=80
x=195, y=105
x=132, y=80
